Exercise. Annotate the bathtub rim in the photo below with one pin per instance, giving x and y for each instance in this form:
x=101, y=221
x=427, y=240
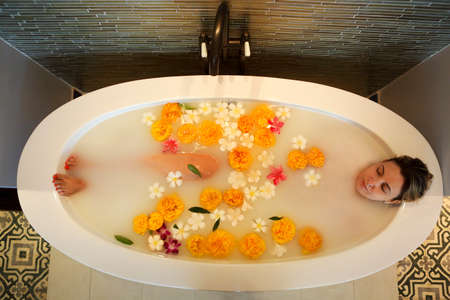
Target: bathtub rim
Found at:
x=108, y=99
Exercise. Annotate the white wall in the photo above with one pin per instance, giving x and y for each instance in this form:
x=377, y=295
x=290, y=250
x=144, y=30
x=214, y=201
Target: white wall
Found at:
x=28, y=93
x=422, y=96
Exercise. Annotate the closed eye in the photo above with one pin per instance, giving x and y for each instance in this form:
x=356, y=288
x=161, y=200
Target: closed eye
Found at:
x=386, y=188
x=380, y=170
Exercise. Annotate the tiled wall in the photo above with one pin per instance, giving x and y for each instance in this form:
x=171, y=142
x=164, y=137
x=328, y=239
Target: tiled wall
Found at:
x=96, y=43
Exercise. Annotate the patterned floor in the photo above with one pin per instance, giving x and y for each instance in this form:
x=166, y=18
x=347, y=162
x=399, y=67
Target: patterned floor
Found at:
x=425, y=273
x=24, y=257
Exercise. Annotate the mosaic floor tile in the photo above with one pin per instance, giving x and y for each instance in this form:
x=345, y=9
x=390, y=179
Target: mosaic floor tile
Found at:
x=24, y=259
x=425, y=273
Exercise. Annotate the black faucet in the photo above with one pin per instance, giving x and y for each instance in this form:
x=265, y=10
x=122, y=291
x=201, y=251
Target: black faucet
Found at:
x=215, y=49
x=220, y=38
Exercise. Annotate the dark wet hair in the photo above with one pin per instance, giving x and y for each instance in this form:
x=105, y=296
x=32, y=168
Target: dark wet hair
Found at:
x=416, y=175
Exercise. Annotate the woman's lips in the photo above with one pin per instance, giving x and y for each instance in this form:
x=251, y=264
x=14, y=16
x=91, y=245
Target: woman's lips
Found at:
x=364, y=186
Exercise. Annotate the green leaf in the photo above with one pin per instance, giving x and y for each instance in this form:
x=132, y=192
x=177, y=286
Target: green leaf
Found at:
x=275, y=218
x=200, y=210
x=150, y=231
x=175, y=226
x=216, y=224
x=123, y=240
x=194, y=170
x=186, y=106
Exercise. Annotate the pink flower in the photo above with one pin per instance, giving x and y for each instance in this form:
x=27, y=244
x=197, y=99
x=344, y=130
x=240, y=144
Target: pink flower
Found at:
x=164, y=233
x=276, y=175
x=170, y=145
x=171, y=245
x=275, y=125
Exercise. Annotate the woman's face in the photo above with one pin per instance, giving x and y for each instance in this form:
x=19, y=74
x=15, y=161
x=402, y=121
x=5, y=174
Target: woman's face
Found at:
x=380, y=181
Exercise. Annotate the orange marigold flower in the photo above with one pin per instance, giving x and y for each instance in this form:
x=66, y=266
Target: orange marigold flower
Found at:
x=140, y=224
x=209, y=133
x=233, y=197
x=196, y=244
x=171, y=112
x=252, y=245
x=297, y=160
x=187, y=133
x=210, y=198
x=155, y=221
x=264, y=137
x=161, y=130
x=310, y=240
x=246, y=123
x=170, y=207
x=315, y=157
x=283, y=230
x=240, y=158
x=219, y=243
x=261, y=114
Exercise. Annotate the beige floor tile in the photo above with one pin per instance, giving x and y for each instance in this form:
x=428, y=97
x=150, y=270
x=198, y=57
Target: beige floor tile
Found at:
x=107, y=287
x=381, y=285
x=343, y=291
x=216, y=295
x=151, y=292
x=67, y=279
x=277, y=295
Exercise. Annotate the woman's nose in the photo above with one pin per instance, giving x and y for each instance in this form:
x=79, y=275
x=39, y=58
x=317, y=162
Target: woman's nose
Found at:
x=371, y=183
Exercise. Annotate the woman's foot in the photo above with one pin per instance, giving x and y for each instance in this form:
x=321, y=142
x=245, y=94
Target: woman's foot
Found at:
x=67, y=185
x=71, y=162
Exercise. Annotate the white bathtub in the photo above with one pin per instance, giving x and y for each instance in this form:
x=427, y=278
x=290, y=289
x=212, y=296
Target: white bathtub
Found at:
x=41, y=159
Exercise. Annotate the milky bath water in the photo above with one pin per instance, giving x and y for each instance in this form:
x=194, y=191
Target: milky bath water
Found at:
x=112, y=156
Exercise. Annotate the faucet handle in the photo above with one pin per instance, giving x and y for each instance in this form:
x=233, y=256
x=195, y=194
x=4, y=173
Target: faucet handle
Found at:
x=245, y=44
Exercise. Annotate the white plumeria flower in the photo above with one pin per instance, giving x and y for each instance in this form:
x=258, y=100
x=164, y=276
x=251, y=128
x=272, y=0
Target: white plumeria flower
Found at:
x=148, y=118
x=182, y=232
x=279, y=250
x=231, y=130
x=217, y=214
x=155, y=243
x=247, y=140
x=226, y=144
x=156, y=190
x=236, y=110
x=237, y=179
x=259, y=225
x=174, y=179
x=267, y=190
x=205, y=108
x=266, y=158
x=190, y=116
x=312, y=178
x=246, y=206
x=253, y=176
x=283, y=113
x=235, y=216
x=196, y=221
x=251, y=193
x=222, y=119
x=221, y=108
x=298, y=142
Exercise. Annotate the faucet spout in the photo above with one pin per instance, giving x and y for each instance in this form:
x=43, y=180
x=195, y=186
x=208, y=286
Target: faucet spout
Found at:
x=220, y=38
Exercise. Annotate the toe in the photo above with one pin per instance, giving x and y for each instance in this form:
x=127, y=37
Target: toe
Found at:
x=59, y=176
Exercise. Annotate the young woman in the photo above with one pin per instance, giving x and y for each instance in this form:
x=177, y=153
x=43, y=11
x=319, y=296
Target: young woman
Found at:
x=392, y=181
